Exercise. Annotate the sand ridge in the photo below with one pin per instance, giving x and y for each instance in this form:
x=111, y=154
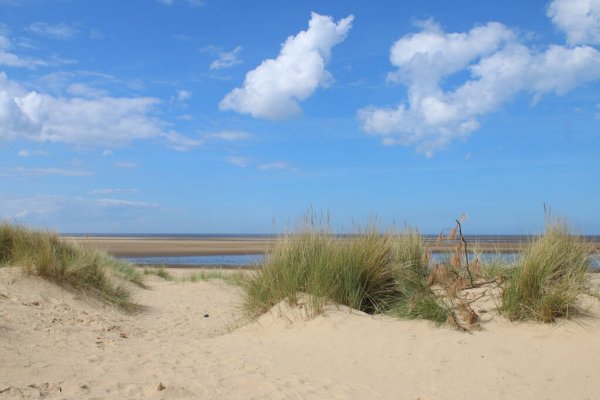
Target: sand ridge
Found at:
x=59, y=344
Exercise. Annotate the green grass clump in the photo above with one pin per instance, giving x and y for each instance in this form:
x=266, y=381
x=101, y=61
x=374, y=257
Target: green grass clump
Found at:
x=551, y=277
x=232, y=277
x=415, y=299
x=368, y=272
x=44, y=254
x=161, y=272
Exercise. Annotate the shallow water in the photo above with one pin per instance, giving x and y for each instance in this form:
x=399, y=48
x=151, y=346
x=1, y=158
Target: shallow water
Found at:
x=253, y=260
x=245, y=260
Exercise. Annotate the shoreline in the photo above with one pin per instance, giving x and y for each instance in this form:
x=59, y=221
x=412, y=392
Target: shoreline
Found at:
x=217, y=245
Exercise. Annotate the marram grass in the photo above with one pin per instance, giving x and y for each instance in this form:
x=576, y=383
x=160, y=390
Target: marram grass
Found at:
x=551, y=277
x=369, y=271
x=44, y=254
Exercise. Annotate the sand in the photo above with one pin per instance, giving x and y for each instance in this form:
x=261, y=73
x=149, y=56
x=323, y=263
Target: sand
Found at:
x=171, y=246
x=188, y=344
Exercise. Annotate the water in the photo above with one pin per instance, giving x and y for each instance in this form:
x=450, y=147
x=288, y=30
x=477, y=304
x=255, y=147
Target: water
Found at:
x=245, y=260
x=251, y=260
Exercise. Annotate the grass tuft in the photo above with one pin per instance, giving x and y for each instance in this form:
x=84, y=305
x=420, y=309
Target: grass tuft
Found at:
x=551, y=277
x=44, y=254
x=369, y=271
x=232, y=277
x=161, y=272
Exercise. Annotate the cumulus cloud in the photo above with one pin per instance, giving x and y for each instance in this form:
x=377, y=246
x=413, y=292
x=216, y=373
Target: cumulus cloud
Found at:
x=43, y=118
x=578, y=19
x=56, y=31
x=227, y=59
x=79, y=121
x=275, y=87
x=500, y=67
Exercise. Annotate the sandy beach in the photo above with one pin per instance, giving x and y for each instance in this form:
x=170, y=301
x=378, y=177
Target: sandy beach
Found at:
x=189, y=341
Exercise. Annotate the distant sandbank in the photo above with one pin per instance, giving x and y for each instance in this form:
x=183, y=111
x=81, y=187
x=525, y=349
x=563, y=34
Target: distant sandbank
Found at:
x=179, y=246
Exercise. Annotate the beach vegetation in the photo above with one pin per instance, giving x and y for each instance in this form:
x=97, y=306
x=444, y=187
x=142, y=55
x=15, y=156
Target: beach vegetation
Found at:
x=45, y=254
x=161, y=272
x=367, y=271
x=233, y=277
x=551, y=277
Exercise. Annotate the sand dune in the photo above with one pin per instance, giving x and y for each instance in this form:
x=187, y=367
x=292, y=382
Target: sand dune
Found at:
x=58, y=344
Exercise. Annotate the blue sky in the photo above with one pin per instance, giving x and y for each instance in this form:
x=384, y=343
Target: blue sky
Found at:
x=235, y=117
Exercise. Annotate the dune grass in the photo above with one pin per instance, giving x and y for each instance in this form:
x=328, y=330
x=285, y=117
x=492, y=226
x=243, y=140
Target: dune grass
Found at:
x=231, y=277
x=550, y=278
x=44, y=254
x=161, y=272
x=415, y=298
x=371, y=272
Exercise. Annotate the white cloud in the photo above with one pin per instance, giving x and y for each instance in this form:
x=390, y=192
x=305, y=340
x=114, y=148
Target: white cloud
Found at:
x=276, y=166
x=60, y=81
x=32, y=153
x=97, y=34
x=180, y=98
x=231, y=136
x=41, y=172
x=183, y=95
x=97, y=192
x=579, y=19
x=85, y=122
x=275, y=87
x=238, y=161
x=83, y=90
x=126, y=203
x=227, y=59
x=57, y=31
x=500, y=68
x=431, y=54
x=125, y=165
x=10, y=59
x=73, y=214
x=28, y=207
x=191, y=3
x=186, y=117
x=180, y=142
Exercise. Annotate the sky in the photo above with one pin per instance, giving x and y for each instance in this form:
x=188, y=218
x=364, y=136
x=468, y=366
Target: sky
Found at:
x=222, y=116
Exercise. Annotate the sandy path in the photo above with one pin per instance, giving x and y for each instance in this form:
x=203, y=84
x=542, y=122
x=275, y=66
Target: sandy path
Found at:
x=55, y=344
